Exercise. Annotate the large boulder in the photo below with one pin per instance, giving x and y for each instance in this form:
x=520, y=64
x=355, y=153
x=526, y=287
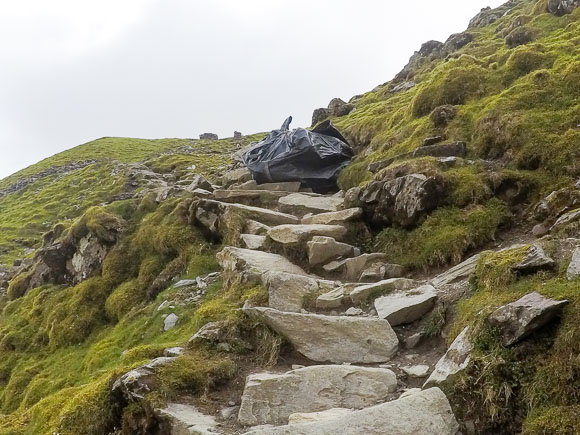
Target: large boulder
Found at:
x=247, y=265
x=406, y=306
x=562, y=7
x=135, y=384
x=424, y=412
x=522, y=317
x=271, y=398
x=455, y=360
x=336, y=339
x=336, y=107
x=402, y=201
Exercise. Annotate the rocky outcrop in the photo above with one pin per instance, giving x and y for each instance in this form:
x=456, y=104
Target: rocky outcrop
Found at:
x=134, y=385
x=453, y=362
x=406, y=306
x=271, y=398
x=424, y=412
x=489, y=16
x=522, y=317
x=536, y=259
x=336, y=107
x=336, y=339
x=402, y=201
x=519, y=36
x=562, y=7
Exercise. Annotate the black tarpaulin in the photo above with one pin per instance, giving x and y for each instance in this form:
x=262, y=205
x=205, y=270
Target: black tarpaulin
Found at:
x=313, y=157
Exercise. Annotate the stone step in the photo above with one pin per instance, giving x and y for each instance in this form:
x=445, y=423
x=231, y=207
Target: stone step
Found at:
x=248, y=265
x=406, y=306
x=289, y=292
x=334, y=217
x=322, y=249
x=219, y=217
x=336, y=339
x=460, y=272
x=287, y=186
x=364, y=292
x=271, y=398
x=425, y=412
x=253, y=241
x=294, y=234
x=300, y=204
x=249, y=197
x=185, y=419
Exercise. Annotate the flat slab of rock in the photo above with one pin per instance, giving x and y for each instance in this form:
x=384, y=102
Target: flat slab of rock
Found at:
x=256, y=228
x=406, y=306
x=334, y=217
x=288, y=292
x=337, y=339
x=309, y=417
x=418, y=371
x=233, y=195
x=287, y=186
x=573, y=270
x=453, y=362
x=253, y=241
x=462, y=271
x=289, y=234
x=272, y=398
x=566, y=219
x=185, y=419
x=253, y=264
x=426, y=412
x=364, y=292
x=536, y=259
x=524, y=316
x=322, y=249
x=301, y=203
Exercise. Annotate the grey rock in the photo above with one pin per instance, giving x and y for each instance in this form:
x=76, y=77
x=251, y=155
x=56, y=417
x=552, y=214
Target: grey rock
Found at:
x=380, y=270
x=351, y=269
x=240, y=175
x=402, y=87
x=238, y=135
x=519, y=36
x=322, y=249
x=288, y=292
x=272, y=398
x=337, y=339
x=442, y=115
x=173, y=352
x=292, y=234
x=418, y=371
x=562, y=7
x=406, y=306
x=249, y=266
x=185, y=419
x=413, y=341
x=352, y=311
x=135, y=384
x=455, y=360
x=459, y=272
x=539, y=230
x=427, y=413
x=320, y=115
x=256, y=228
x=364, y=292
x=332, y=299
x=536, y=259
x=337, y=107
x=433, y=140
x=566, y=219
x=573, y=270
x=185, y=283
x=287, y=186
x=170, y=322
x=524, y=316
x=302, y=203
x=340, y=217
x=200, y=182
x=401, y=201
x=252, y=241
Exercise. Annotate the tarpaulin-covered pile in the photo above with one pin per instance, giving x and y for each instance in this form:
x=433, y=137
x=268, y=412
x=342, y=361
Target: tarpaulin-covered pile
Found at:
x=313, y=157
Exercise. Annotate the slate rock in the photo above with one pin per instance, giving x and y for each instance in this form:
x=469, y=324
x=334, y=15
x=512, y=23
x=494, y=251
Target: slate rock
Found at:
x=536, y=259
x=322, y=249
x=292, y=234
x=288, y=292
x=271, y=398
x=524, y=316
x=573, y=270
x=362, y=293
x=336, y=339
x=455, y=360
x=406, y=306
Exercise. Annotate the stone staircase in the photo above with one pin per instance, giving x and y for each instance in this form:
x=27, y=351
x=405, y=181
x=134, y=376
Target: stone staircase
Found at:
x=336, y=306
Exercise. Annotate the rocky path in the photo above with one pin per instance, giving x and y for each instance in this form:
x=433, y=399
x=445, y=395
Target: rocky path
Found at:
x=352, y=315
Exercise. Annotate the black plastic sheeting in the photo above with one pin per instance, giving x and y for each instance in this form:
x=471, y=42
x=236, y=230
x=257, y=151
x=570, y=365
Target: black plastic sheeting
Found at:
x=313, y=157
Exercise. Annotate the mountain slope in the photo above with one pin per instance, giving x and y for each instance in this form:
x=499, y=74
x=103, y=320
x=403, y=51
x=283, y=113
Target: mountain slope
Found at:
x=94, y=240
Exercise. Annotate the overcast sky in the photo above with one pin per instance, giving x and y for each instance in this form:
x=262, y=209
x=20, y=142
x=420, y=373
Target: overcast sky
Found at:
x=73, y=70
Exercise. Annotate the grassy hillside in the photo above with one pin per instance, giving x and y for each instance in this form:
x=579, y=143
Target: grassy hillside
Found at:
x=516, y=107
